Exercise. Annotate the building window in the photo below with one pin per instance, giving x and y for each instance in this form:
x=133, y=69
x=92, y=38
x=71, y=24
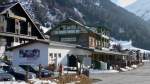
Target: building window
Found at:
x=59, y=55
x=51, y=55
x=73, y=39
x=91, y=41
x=55, y=55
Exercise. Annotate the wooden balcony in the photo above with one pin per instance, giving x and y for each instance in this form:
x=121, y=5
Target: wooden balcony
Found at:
x=9, y=34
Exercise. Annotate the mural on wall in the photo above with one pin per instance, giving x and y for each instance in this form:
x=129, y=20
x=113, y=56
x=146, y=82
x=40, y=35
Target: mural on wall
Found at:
x=35, y=53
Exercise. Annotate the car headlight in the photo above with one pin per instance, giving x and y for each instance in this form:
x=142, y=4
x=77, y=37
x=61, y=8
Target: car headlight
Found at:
x=13, y=79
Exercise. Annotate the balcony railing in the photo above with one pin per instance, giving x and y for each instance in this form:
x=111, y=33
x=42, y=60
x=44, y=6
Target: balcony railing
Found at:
x=105, y=36
x=8, y=34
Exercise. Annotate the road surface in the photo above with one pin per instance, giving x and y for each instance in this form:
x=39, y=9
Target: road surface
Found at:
x=140, y=75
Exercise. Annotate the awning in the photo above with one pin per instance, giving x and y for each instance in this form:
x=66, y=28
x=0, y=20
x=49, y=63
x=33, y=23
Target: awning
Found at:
x=110, y=52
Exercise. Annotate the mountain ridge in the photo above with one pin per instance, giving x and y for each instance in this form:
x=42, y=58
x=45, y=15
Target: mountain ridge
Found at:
x=123, y=24
x=140, y=8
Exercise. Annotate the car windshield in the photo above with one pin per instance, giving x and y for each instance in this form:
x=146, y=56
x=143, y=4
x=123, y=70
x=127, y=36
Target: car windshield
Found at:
x=35, y=67
x=18, y=69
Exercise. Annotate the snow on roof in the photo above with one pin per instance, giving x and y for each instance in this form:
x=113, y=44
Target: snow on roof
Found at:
x=128, y=45
x=45, y=29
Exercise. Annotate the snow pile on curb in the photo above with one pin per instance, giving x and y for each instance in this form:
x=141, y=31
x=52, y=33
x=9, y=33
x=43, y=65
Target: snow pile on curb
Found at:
x=12, y=82
x=129, y=68
x=38, y=81
x=145, y=60
x=123, y=69
x=102, y=71
x=134, y=66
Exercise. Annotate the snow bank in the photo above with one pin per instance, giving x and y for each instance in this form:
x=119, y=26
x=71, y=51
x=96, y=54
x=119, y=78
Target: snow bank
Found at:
x=12, y=82
x=102, y=71
x=129, y=68
x=38, y=81
x=123, y=69
x=145, y=60
x=134, y=66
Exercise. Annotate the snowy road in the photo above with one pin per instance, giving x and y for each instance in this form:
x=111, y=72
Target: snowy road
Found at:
x=138, y=76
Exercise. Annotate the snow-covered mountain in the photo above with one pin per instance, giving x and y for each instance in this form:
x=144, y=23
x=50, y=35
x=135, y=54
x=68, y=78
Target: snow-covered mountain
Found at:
x=123, y=24
x=140, y=8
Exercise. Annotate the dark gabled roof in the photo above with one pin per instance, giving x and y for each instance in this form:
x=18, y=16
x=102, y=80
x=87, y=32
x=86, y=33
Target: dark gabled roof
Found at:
x=7, y=6
x=70, y=20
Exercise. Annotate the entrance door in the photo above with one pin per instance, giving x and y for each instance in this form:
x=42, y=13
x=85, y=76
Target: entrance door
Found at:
x=72, y=61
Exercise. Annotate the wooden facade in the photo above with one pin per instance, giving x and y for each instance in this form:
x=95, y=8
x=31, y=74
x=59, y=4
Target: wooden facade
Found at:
x=95, y=39
x=16, y=26
x=71, y=31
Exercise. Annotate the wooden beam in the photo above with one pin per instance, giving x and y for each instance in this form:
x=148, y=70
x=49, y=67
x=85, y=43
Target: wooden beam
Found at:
x=4, y=34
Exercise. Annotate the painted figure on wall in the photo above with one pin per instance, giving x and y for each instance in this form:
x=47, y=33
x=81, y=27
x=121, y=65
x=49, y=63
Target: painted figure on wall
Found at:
x=35, y=53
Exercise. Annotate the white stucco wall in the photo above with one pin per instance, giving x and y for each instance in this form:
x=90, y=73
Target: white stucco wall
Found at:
x=45, y=51
x=42, y=59
x=64, y=51
x=59, y=50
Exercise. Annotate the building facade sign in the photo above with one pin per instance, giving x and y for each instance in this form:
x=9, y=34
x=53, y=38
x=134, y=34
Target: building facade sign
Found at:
x=35, y=53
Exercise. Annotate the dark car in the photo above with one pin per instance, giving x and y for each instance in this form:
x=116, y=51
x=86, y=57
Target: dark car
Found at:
x=19, y=73
x=35, y=69
x=46, y=73
x=30, y=68
x=4, y=76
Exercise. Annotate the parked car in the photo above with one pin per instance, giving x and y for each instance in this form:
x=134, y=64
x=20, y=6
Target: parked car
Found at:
x=19, y=73
x=30, y=68
x=46, y=73
x=4, y=76
x=35, y=69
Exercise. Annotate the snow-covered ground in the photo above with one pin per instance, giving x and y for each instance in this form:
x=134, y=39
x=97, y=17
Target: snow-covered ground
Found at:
x=145, y=60
x=12, y=82
x=102, y=71
x=37, y=81
x=134, y=66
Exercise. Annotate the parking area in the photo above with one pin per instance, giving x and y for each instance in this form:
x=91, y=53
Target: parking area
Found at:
x=140, y=75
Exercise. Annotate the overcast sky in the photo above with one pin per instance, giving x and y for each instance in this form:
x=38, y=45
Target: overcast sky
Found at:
x=124, y=3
